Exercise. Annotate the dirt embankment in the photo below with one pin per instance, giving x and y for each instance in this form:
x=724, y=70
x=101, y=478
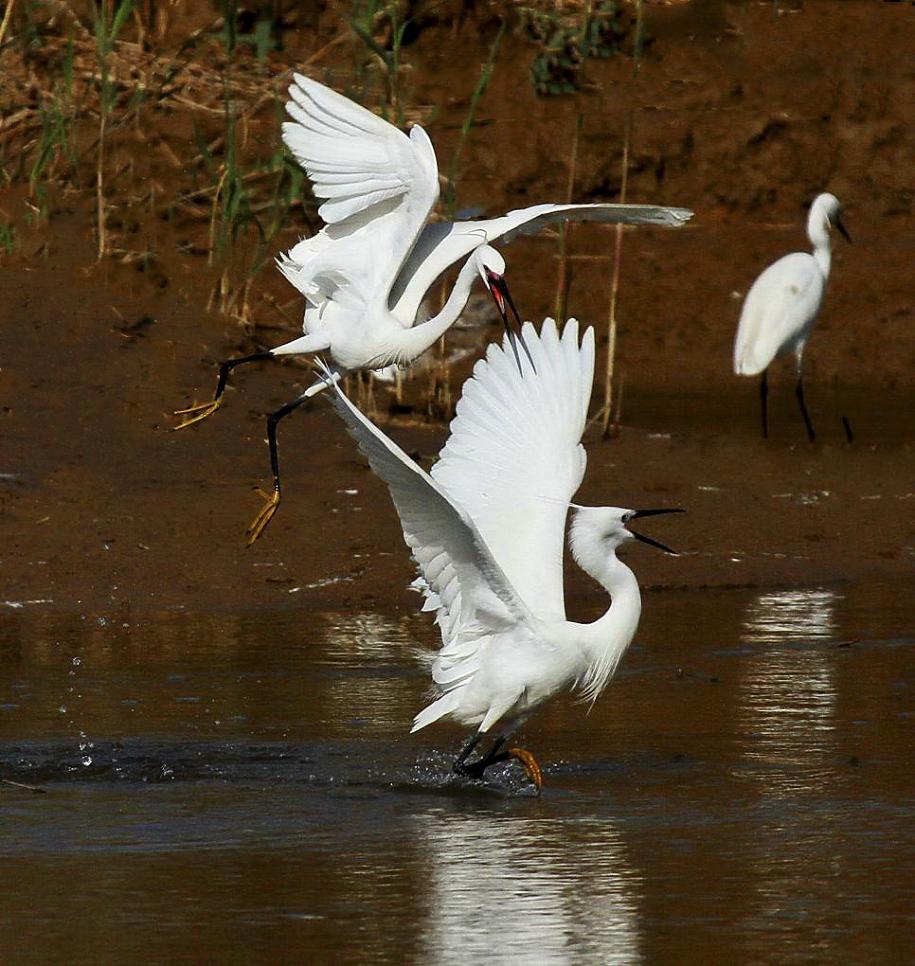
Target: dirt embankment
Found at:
x=737, y=112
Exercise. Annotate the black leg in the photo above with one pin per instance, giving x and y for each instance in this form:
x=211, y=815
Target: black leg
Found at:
x=272, y=421
x=476, y=768
x=799, y=392
x=846, y=425
x=226, y=367
x=763, y=402
x=459, y=768
x=199, y=411
x=495, y=756
x=259, y=523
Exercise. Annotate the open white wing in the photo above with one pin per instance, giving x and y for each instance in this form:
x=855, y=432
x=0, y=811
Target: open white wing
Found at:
x=354, y=158
x=470, y=590
x=441, y=245
x=378, y=187
x=514, y=458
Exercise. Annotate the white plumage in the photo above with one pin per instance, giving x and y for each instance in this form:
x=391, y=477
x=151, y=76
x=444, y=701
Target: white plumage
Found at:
x=782, y=305
x=377, y=251
x=365, y=274
x=486, y=529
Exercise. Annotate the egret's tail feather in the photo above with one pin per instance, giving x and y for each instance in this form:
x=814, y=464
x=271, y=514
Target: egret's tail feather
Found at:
x=438, y=709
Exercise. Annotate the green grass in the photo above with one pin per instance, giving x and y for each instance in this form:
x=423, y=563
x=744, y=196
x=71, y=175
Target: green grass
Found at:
x=7, y=237
x=106, y=33
x=567, y=40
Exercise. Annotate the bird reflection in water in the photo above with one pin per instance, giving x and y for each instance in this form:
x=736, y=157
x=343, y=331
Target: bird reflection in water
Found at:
x=367, y=644
x=788, y=689
x=506, y=888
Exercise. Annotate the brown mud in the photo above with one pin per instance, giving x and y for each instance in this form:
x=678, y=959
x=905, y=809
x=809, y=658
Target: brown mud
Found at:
x=743, y=120
x=220, y=732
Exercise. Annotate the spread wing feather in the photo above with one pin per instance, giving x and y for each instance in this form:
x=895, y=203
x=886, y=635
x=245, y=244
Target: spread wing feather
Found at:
x=442, y=244
x=514, y=458
x=353, y=158
x=377, y=187
x=459, y=573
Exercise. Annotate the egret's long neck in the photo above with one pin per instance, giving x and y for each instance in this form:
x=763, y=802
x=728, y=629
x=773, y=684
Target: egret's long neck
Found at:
x=818, y=233
x=605, y=641
x=416, y=340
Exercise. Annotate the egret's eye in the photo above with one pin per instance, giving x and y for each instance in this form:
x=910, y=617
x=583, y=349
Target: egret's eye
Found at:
x=627, y=517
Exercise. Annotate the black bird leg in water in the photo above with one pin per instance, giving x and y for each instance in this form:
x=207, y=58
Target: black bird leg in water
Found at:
x=201, y=410
x=459, y=767
x=763, y=400
x=799, y=392
x=272, y=501
x=494, y=757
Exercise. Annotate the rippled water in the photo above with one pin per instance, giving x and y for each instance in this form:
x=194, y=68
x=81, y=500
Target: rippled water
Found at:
x=243, y=788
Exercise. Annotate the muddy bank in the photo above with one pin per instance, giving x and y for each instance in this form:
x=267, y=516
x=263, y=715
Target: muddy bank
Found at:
x=741, y=117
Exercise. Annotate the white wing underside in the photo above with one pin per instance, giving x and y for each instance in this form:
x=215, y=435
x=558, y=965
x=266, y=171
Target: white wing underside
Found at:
x=444, y=243
x=514, y=460
x=778, y=312
x=455, y=564
x=377, y=185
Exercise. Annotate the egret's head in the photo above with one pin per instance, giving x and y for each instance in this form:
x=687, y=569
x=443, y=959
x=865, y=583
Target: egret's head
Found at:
x=831, y=209
x=491, y=266
x=603, y=529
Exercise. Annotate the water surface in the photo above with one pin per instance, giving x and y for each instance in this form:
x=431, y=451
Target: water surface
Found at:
x=242, y=787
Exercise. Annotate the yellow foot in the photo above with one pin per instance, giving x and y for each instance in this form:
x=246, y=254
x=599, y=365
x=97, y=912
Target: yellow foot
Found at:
x=259, y=523
x=529, y=763
x=196, y=412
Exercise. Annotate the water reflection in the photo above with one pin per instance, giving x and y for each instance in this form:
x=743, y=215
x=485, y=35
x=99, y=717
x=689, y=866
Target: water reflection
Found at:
x=791, y=616
x=377, y=678
x=514, y=889
x=787, y=704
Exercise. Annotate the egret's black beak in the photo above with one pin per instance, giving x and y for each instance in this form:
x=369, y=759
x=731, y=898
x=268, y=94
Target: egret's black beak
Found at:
x=648, y=540
x=843, y=229
x=498, y=288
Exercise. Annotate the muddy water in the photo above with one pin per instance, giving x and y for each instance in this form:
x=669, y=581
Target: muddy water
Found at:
x=241, y=787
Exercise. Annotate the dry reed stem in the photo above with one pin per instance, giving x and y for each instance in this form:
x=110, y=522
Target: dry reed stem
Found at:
x=618, y=243
x=100, y=187
x=564, y=276
x=615, y=287
x=7, y=17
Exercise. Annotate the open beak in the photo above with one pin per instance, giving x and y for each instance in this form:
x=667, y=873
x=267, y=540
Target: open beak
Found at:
x=842, y=229
x=648, y=540
x=498, y=288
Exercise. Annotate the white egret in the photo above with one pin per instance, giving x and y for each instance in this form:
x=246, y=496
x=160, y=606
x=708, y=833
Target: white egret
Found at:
x=364, y=275
x=782, y=305
x=486, y=529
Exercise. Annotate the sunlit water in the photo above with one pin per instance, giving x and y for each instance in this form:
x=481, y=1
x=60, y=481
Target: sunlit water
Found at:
x=243, y=788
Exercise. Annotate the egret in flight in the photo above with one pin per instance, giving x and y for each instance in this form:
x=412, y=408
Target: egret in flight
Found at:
x=486, y=529
x=782, y=306
x=364, y=275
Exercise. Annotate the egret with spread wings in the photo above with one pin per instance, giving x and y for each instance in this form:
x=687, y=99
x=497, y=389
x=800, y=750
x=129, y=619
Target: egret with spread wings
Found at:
x=487, y=528
x=365, y=274
x=782, y=305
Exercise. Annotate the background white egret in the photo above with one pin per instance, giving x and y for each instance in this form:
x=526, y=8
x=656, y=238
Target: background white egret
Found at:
x=365, y=274
x=782, y=305
x=487, y=528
